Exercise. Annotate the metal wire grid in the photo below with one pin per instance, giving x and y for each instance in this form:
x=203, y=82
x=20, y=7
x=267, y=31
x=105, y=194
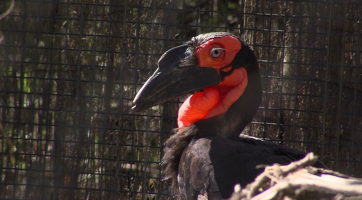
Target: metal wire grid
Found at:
x=69, y=71
x=321, y=57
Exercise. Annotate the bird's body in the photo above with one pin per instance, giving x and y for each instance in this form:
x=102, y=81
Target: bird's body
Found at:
x=212, y=165
x=206, y=156
x=223, y=163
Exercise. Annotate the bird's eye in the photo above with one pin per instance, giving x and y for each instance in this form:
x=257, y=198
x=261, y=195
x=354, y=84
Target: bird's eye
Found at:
x=216, y=52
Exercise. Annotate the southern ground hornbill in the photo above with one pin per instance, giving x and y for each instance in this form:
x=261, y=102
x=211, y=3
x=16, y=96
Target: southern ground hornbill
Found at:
x=206, y=156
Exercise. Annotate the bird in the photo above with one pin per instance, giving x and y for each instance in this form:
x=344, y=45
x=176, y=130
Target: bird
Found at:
x=206, y=156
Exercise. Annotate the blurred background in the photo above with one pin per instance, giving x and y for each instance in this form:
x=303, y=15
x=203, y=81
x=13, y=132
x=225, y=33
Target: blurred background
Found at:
x=69, y=70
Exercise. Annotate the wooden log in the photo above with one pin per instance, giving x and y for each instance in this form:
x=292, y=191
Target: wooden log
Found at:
x=299, y=180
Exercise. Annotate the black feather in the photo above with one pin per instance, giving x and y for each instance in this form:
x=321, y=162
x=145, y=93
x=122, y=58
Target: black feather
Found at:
x=210, y=157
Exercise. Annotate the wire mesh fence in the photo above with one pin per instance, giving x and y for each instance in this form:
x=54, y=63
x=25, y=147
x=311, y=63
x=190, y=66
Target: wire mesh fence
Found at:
x=69, y=71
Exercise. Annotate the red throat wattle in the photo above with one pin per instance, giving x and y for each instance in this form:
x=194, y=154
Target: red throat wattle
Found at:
x=215, y=100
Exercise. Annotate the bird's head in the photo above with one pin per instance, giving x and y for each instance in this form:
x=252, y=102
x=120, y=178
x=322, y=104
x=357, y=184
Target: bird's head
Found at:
x=221, y=69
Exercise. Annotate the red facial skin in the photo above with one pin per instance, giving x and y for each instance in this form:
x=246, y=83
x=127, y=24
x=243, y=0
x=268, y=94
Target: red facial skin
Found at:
x=215, y=100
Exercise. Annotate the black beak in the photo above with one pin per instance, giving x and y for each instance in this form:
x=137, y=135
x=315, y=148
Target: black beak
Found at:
x=177, y=74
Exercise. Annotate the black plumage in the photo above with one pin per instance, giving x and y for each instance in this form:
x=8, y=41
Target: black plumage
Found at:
x=209, y=157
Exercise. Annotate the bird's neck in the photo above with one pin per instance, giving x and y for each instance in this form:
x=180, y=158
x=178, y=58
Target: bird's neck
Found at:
x=238, y=115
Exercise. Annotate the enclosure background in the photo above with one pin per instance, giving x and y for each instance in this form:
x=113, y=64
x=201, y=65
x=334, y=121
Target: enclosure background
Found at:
x=70, y=69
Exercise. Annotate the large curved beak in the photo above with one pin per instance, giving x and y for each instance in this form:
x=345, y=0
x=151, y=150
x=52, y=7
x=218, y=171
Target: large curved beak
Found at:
x=177, y=74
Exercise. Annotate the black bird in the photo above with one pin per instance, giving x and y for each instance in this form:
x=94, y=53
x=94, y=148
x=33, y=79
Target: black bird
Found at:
x=207, y=155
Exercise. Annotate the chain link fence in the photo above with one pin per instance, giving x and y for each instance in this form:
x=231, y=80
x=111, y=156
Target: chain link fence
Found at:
x=69, y=70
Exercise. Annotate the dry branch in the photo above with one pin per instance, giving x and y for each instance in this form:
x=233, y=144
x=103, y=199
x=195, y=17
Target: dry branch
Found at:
x=299, y=180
